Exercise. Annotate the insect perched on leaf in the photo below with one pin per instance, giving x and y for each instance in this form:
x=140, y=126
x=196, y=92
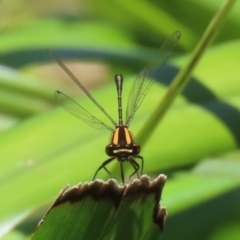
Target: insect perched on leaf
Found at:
x=122, y=147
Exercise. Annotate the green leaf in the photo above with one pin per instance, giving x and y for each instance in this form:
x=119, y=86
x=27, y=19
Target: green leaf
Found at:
x=44, y=152
x=100, y=210
x=36, y=31
x=205, y=199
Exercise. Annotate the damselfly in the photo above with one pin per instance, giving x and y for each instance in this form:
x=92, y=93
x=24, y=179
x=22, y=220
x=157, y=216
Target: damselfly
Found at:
x=122, y=146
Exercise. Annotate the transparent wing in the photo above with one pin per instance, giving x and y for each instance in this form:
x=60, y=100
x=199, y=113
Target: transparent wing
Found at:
x=143, y=82
x=69, y=73
x=77, y=110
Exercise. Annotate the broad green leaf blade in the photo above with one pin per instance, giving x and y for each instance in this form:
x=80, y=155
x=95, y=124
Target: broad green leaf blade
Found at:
x=15, y=235
x=174, y=15
x=218, y=168
x=19, y=82
x=99, y=210
x=205, y=199
x=20, y=105
x=205, y=218
x=188, y=189
x=228, y=229
x=7, y=121
x=142, y=15
x=27, y=44
x=32, y=35
x=135, y=218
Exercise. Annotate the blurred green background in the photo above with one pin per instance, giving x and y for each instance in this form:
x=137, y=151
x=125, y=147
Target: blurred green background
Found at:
x=42, y=147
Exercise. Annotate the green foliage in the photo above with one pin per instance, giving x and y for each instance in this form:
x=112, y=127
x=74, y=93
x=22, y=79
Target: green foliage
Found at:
x=105, y=210
x=197, y=143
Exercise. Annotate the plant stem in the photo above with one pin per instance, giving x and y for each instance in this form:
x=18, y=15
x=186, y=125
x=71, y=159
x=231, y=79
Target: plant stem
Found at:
x=183, y=76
